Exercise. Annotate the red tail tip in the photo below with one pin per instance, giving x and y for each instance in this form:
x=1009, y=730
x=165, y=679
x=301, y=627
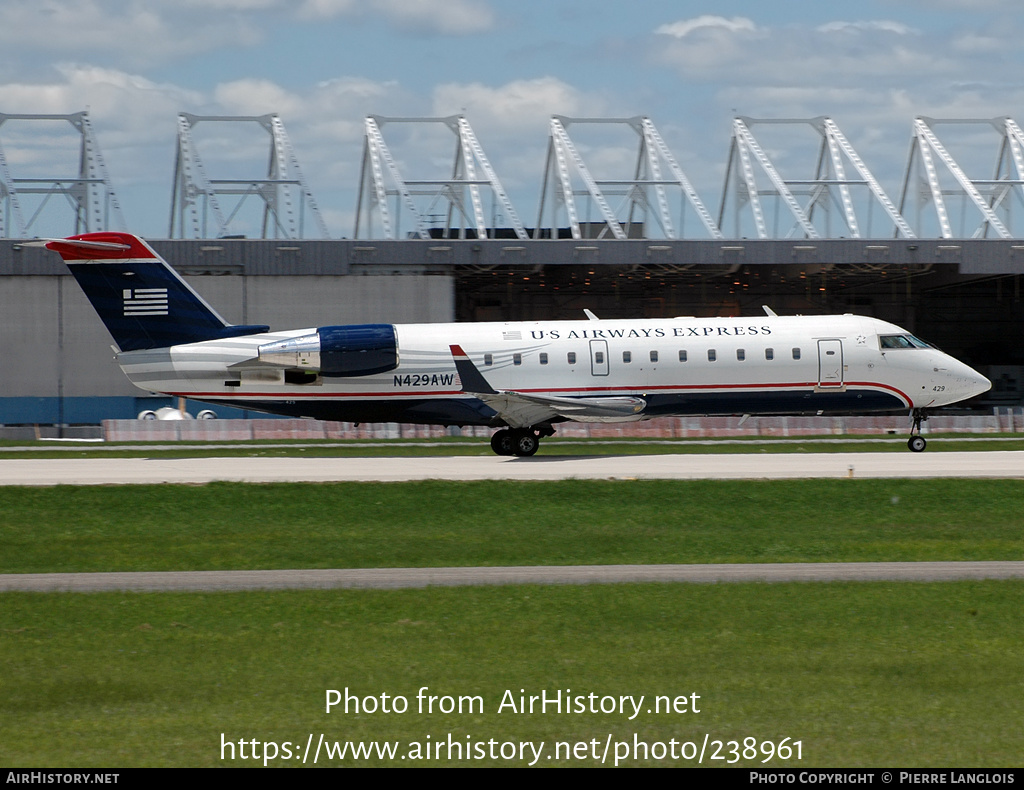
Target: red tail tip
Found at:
x=101, y=246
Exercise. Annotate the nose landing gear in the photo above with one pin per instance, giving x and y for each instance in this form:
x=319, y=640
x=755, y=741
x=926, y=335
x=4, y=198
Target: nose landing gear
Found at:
x=917, y=442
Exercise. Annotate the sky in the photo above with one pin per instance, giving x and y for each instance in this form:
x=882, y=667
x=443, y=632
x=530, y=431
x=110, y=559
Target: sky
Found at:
x=323, y=65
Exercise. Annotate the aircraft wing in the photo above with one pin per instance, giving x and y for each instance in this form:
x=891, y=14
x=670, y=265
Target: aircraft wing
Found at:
x=522, y=410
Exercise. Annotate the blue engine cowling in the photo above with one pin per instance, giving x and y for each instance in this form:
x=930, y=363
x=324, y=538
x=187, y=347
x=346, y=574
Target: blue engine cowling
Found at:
x=356, y=350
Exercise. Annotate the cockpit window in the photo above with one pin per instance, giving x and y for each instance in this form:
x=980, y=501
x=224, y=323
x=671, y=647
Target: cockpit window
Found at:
x=901, y=341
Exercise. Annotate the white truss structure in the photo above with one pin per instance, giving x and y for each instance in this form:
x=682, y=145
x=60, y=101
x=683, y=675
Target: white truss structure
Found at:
x=829, y=191
x=649, y=193
x=941, y=180
x=458, y=195
x=88, y=192
x=197, y=201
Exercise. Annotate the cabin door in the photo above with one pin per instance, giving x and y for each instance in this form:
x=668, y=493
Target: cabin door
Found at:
x=830, y=364
x=599, y=357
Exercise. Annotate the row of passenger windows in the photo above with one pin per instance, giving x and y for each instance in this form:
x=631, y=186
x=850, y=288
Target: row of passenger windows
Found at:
x=627, y=356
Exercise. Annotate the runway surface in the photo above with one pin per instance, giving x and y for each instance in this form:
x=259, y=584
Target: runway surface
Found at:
x=396, y=578
x=106, y=471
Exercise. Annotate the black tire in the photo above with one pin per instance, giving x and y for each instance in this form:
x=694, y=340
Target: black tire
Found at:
x=526, y=443
x=502, y=442
x=916, y=444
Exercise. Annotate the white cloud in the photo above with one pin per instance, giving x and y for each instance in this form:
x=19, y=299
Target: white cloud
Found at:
x=685, y=27
x=970, y=6
x=232, y=5
x=256, y=97
x=324, y=9
x=874, y=26
x=835, y=54
x=450, y=17
x=516, y=105
x=447, y=17
x=132, y=34
x=121, y=98
x=974, y=43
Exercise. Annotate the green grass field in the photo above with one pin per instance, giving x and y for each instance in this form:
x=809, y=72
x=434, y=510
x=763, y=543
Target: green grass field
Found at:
x=364, y=525
x=879, y=675
x=871, y=674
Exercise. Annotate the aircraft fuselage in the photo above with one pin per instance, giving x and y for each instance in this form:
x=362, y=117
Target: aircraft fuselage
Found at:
x=678, y=366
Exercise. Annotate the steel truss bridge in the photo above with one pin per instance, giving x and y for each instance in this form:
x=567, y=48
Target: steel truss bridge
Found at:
x=807, y=185
x=835, y=195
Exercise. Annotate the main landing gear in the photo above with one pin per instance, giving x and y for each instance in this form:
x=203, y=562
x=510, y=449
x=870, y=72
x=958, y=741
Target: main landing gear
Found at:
x=917, y=442
x=523, y=442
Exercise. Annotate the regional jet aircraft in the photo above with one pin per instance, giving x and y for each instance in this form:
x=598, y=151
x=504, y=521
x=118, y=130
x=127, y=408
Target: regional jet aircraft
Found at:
x=522, y=378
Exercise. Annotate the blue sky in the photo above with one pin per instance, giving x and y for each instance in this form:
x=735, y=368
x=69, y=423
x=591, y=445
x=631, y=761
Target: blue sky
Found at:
x=324, y=64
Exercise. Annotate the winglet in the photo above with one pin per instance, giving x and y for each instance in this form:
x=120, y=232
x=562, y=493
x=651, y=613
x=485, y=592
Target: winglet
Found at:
x=472, y=379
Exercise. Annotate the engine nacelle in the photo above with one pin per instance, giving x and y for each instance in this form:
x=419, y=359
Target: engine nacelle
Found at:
x=358, y=350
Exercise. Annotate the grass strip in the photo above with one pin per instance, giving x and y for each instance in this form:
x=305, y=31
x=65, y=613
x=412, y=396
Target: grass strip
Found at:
x=868, y=674
x=441, y=523
x=551, y=448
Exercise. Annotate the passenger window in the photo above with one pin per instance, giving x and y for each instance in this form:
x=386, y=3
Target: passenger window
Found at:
x=571, y=357
x=627, y=356
x=598, y=357
x=543, y=358
x=654, y=356
x=712, y=355
x=517, y=359
x=682, y=355
x=741, y=354
x=769, y=353
x=796, y=353
x=488, y=360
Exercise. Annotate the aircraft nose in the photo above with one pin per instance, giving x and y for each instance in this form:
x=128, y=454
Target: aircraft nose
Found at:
x=978, y=384
x=968, y=382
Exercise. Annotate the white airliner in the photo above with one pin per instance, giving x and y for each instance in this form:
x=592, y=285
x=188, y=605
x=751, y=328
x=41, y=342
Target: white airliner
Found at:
x=520, y=377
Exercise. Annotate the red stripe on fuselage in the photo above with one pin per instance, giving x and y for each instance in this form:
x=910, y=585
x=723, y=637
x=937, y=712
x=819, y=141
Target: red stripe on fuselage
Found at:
x=680, y=388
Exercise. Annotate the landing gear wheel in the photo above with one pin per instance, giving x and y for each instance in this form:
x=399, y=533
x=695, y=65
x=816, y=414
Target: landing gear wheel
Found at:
x=917, y=442
x=526, y=443
x=502, y=442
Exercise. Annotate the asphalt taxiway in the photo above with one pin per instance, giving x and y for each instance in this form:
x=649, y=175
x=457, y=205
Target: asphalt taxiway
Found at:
x=396, y=578
x=109, y=471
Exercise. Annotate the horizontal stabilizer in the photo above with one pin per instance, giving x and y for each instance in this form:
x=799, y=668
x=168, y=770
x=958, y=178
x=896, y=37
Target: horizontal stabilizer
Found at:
x=73, y=249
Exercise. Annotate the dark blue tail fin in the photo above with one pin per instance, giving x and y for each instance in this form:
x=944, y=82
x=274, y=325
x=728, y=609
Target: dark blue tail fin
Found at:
x=142, y=301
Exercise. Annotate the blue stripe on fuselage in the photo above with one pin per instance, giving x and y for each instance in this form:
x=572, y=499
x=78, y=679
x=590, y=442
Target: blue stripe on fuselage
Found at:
x=470, y=411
